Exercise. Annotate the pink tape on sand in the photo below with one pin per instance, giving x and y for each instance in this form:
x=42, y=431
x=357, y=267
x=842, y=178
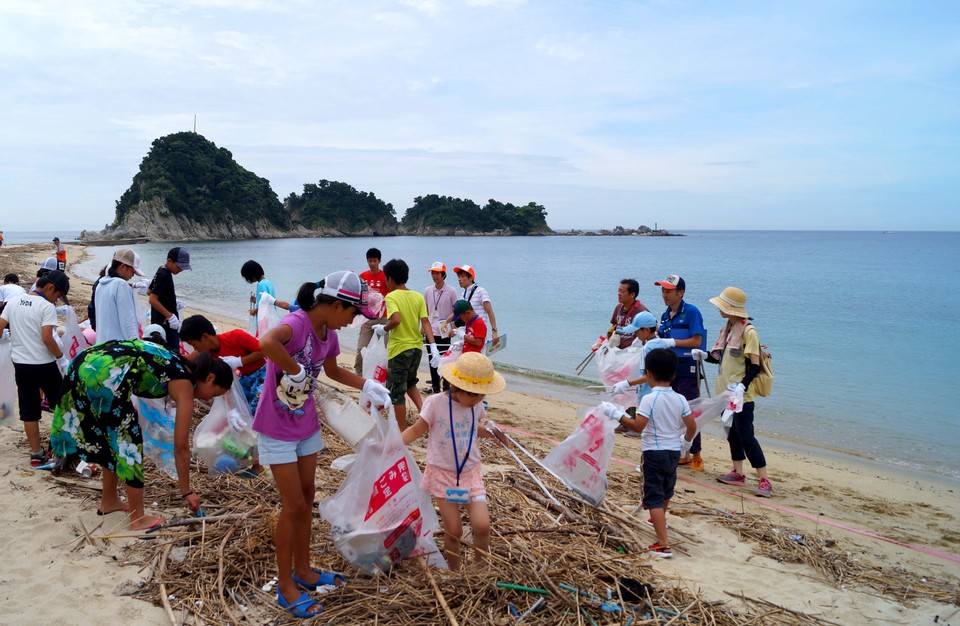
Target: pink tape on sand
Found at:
x=814, y=518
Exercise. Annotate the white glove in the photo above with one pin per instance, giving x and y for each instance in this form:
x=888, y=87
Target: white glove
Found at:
x=63, y=363
x=612, y=411
x=180, y=305
x=736, y=400
x=236, y=420
x=459, y=333
x=434, y=356
x=377, y=393
x=141, y=287
x=378, y=330
x=613, y=341
x=684, y=446
x=233, y=361
x=670, y=343
x=62, y=309
x=699, y=355
x=266, y=300
x=292, y=390
x=173, y=322
x=620, y=387
x=5, y=336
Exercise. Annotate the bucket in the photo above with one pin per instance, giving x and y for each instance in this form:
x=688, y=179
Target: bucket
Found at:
x=345, y=417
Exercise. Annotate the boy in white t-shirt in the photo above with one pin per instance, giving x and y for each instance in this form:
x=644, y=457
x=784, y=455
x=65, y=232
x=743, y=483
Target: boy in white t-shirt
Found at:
x=667, y=427
x=38, y=361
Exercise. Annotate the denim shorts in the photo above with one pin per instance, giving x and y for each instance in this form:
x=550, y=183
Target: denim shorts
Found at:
x=277, y=452
x=659, y=477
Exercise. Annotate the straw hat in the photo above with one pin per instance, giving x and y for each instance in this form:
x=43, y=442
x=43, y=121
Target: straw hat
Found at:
x=732, y=301
x=473, y=372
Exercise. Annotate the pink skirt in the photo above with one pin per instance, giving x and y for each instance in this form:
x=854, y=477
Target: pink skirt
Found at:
x=437, y=480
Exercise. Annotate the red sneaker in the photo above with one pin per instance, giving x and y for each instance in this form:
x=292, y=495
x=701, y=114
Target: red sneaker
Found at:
x=664, y=552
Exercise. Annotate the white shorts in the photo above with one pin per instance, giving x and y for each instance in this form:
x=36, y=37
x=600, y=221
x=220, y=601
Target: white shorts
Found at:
x=276, y=452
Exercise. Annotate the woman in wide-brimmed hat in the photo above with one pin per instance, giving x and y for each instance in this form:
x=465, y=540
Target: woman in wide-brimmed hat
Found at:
x=453, y=475
x=737, y=350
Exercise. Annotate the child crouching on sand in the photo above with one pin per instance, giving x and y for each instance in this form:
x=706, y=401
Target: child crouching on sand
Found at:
x=453, y=475
x=667, y=428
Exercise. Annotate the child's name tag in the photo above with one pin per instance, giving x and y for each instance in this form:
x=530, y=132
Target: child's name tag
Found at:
x=458, y=495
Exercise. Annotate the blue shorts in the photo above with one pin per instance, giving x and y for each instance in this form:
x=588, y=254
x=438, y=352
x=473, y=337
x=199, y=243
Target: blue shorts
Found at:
x=276, y=452
x=659, y=477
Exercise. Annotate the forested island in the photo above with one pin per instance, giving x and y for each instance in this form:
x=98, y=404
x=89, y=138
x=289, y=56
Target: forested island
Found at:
x=187, y=188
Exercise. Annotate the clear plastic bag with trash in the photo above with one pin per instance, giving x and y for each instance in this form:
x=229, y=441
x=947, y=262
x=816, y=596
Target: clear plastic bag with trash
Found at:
x=375, y=359
x=616, y=365
x=225, y=439
x=157, y=420
x=72, y=338
x=8, y=384
x=581, y=459
x=268, y=315
x=380, y=515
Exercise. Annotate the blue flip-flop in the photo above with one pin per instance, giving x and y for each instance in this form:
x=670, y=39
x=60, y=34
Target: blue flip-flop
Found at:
x=326, y=578
x=298, y=608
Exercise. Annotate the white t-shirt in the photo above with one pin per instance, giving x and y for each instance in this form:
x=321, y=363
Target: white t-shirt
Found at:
x=477, y=295
x=27, y=315
x=9, y=292
x=665, y=408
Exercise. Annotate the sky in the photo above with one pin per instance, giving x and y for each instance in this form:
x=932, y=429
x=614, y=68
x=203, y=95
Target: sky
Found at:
x=724, y=115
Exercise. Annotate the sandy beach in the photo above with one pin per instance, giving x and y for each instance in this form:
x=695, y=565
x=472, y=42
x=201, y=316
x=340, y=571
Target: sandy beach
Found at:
x=887, y=519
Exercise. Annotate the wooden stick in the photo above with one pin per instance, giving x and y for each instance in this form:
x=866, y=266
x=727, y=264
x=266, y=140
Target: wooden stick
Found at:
x=436, y=589
x=163, y=586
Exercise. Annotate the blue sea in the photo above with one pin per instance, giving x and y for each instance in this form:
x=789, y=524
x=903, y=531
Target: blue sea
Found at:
x=862, y=325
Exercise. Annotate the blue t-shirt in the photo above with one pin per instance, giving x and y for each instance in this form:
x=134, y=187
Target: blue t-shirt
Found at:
x=653, y=344
x=684, y=325
x=264, y=286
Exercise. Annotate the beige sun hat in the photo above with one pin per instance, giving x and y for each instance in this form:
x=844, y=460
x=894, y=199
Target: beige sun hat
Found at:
x=732, y=301
x=473, y=372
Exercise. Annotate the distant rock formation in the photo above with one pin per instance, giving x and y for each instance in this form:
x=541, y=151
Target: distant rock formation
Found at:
x=620, y=231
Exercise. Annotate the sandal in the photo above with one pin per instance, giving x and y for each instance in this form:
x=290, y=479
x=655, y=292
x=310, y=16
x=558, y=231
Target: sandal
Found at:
x=326, y=578
x=298, y=608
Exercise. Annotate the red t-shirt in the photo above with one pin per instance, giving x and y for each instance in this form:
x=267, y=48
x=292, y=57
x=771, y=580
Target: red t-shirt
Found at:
x=377, y=282
x=240, y=343
x=478, y=330
x=623, y=317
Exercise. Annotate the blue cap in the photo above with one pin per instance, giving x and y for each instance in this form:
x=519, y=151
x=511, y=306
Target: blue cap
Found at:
x=643, y=319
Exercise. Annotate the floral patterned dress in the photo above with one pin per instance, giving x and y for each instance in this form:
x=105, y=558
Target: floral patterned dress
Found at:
x=96, y=417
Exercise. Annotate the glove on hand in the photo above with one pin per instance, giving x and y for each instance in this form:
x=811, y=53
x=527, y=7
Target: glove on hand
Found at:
x=460, y=333
x=670, y=343
x=612, y=411
x=434, y=356
x=378, y=330
x=621, y=387
x=684, y=445
x=62, y=364
x=235, y=420
x=292, y=390
x=173, y=322
x=377, y=393
x=699, y=355
x=233, y=361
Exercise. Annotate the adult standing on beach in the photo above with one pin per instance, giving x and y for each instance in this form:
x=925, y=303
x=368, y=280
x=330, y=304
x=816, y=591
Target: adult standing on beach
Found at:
x=38, y=360
x=95, y=418
x=737, y=349
x=60, y=253
x=1, y=238
x=115, y=305
x=163, y=295
x=683, y=323
x=376, y=280
x=478, y=298
x=627, y=308
x=440, y=298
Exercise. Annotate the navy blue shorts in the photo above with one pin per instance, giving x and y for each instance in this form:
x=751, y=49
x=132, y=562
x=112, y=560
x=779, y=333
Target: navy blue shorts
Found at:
x=659, y=477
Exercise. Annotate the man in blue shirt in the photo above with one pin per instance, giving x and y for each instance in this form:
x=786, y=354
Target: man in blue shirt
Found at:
x=683, y=323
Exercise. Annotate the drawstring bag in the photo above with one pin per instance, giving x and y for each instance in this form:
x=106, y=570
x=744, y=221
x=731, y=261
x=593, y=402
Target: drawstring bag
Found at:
x=267, y=314
x=380, y=515
x=157, y=419
x=581, y=459
x=8, y=384
x=375, y=359
x=616, y=365
x=224, y=448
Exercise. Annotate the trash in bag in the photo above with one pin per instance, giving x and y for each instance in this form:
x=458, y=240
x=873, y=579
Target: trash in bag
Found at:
x=143, y=314
x=344, y=416
x=157, y=419
x=224, y=439
x=8, y=384
x=706, y=410
x=268, y=315
x=380, y=515
x=252, y=322
x=581, y=459
x=73, y=339
x=451, y=355
x=375, y=359
x=616, y=365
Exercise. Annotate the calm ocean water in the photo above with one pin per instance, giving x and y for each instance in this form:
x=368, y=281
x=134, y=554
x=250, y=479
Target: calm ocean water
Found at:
x=855, y=372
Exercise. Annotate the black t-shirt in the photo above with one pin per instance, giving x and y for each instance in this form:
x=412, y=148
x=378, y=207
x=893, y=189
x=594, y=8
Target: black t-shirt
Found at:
x=162, y=286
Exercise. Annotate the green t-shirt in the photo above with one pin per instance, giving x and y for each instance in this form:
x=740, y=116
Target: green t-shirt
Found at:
x=412, y=307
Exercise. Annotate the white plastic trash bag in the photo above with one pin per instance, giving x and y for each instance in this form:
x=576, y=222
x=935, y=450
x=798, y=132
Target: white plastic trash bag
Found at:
x=268, y=316
x=143, y=314
x=705, y=410
x=157, y=420
x=8, y=384
x=224, y=447
x=380, y=515
x=616, y=365
x=344, y=417
x=375, y=359
x=72, y=339
x=581, y=459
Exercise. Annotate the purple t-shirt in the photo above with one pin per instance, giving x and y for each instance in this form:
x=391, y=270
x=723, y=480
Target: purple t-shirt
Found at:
x=273, y=418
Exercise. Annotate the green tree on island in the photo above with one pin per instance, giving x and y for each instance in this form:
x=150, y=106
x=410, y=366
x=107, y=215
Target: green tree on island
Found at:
x=433, y=212
x=338, y=205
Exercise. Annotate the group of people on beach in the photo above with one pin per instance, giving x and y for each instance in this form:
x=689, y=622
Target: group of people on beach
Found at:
x=95, y=420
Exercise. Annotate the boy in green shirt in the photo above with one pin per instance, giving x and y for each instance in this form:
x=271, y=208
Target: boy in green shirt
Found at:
x=406, y=320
